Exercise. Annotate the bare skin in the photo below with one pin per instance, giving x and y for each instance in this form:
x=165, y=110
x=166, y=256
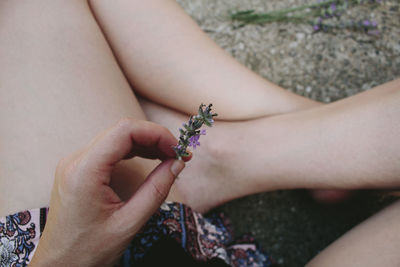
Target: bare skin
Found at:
x=60, y=86
x=372, y=243
x=182, y=69
x=64, y=85
x=164, y=58
x=305, y=141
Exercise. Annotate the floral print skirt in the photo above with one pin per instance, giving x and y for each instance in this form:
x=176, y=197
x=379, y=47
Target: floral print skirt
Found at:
x=201, y=238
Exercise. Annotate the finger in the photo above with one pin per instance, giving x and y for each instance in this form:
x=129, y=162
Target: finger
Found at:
x=129, y=138
x=185, y=159
x=149, y=197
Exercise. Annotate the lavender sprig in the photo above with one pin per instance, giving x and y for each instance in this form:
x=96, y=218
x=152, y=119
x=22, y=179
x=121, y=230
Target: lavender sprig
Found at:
x=315, y=14
x=191, y=132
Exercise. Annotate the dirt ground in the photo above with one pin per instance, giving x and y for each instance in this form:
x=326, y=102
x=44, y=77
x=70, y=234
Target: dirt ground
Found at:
x=290, y=226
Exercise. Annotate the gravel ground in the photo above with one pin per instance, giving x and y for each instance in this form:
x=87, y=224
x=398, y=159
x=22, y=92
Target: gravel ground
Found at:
x=321, y=66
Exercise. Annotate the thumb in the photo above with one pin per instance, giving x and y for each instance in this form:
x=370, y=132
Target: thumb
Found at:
x=153, y=192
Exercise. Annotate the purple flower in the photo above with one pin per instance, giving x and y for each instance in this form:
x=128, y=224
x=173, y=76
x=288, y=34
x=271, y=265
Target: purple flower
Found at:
x=194, y=141
x=366, y=23
x=190, y=134
x=333, y=7
x=374, y=24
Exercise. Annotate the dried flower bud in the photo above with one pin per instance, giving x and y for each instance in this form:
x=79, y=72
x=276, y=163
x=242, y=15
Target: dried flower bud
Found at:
x=190, y=133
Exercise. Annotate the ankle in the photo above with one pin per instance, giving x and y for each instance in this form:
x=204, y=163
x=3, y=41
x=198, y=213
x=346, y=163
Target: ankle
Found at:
x=216, y=147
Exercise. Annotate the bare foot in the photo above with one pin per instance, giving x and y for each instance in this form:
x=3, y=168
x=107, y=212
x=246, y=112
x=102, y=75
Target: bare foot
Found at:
x=204, y=183
x=214, y=175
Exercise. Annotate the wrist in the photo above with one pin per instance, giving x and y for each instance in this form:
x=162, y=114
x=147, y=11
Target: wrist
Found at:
x=46, y=256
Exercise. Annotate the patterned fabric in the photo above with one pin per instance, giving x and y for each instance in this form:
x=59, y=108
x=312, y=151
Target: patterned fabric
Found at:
x=19, y=235
x=201, y=238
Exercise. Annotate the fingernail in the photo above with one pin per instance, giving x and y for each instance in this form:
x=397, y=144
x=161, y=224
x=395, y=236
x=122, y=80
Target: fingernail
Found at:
x=177, y=167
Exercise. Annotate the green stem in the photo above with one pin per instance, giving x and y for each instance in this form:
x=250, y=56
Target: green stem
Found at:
x=249, y=16
x=290, y=10
x=285, y=11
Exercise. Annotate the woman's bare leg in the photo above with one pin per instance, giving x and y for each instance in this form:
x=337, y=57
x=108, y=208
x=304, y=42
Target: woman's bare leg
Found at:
x=349, y=144
x=170, y=61
x=374, y=242
x=237, y=184
x=59, y=86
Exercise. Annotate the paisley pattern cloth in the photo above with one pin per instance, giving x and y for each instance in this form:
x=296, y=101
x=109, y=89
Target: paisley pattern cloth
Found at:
x=19, y=235
x=202, y=238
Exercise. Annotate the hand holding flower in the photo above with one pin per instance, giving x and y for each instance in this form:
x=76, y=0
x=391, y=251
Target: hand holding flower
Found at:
x=88, y=224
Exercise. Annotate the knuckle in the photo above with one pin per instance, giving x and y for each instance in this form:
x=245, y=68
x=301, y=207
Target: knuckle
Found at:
x=65, y=173
x=165, y=130
x=159, y=192
x=62, y=165
x=125, y=121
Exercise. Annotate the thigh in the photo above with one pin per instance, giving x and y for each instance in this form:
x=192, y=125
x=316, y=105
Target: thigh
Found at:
x=373, y=243
x=189, y=67
x=59, y=86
